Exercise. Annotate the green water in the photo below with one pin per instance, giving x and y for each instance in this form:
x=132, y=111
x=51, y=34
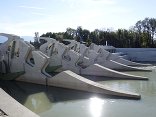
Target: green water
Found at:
x=58, y=102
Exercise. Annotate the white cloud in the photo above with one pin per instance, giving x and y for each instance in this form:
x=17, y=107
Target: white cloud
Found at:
x=86, y=3
x=32, y=7
x=105, y=1
x=121, y=10
x=89, y=14
x=41, y=14
x=26, y=28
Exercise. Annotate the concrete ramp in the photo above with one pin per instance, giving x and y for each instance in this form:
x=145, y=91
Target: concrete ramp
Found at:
x=123, y=67
x=112, y=64
x=115, y=57
x=82, y=66
x=130, y=63
x=104, y=60
x=98, y=70
x=68, y=79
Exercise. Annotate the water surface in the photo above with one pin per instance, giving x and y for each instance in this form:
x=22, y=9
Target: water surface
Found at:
x=59, y=102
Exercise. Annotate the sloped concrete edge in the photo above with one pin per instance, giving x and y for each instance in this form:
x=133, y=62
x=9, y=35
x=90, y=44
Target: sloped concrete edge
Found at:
x=128, y=68
x=13, y=108
x=98, y=70
x=68, y=79
x=130, y=63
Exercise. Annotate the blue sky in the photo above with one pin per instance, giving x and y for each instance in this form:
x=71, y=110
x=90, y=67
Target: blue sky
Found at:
x=24, y=17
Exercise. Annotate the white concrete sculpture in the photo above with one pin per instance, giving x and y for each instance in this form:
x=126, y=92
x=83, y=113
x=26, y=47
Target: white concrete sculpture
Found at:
x=69, y=59
x=117, y=58
x=22, y=57
x=107, y=59
x=10, y=57
x=103, y=57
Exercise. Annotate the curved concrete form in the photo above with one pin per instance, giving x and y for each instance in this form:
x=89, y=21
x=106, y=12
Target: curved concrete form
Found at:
x=34, y=64
x=126, y=67
x=102, y=58
x=99, y=70
x=72, y=60
x=70, y=80
x=86, y=85
x=109, y=56
x=115, y=57
x=119, y=59
x=10, y=55
x=105, y=58
x=130, y=63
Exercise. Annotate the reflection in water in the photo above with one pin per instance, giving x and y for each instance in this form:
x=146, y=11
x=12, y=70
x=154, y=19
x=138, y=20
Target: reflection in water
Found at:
x=38, y=102
x=59, y=102
x=96, y=106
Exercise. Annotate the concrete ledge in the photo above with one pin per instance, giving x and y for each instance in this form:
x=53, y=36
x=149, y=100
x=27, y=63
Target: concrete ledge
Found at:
x=11, y=108
x=68, y=79
x=98, y=70
x=130, y=63
x=129, y=68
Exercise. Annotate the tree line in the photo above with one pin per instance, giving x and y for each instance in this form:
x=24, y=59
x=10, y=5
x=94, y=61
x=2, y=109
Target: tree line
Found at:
x=141, y=35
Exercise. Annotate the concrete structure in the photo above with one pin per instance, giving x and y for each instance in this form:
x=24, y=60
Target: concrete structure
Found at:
x=9, y=107
x=107, y=59
x=112, y=50
x=9, y=56
x=139, y=54
x=22, y=57
x=102, y=57
x=69, y=59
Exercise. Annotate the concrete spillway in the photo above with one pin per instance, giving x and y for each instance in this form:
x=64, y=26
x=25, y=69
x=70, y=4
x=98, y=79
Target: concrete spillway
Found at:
x=66, y=79
x=98, y=70
x=121, y=67
x=74, y=61
x=115, y=57
x=76, y=46
x=77, y=82
x=85, y=66
x=23, y=58
x=130, y=63
x=102, y=57
x=70, y=80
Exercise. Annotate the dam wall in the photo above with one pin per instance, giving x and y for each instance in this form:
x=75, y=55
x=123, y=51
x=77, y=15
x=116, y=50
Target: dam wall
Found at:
x=139, y=54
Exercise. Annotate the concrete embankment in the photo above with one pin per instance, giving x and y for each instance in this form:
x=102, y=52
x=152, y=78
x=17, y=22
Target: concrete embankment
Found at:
x=9, y=107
